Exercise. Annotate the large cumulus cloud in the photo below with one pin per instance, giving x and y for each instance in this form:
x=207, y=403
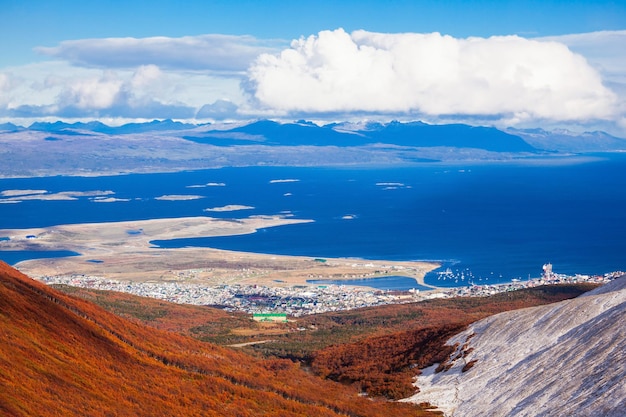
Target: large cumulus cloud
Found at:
x=430, y=74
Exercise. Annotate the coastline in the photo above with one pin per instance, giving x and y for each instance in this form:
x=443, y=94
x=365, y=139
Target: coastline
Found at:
x=122, y=251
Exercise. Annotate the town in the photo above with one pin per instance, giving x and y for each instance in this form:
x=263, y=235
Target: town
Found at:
x=299, y=300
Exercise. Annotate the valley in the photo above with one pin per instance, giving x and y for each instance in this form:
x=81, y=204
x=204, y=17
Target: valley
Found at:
x=60, y=338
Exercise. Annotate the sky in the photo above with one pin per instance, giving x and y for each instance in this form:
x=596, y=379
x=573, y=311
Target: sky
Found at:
x=549, y=64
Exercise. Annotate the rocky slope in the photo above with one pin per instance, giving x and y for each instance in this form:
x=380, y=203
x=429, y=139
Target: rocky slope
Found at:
x=565, y=359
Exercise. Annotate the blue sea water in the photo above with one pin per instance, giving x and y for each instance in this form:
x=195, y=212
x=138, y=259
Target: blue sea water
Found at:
x=399, y=283
x=490, y=221
x=13, y=256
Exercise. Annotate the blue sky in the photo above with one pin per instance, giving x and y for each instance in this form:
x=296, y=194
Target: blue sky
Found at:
x=506, y=63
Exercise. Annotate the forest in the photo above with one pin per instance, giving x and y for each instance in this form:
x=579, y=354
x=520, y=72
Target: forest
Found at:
x=65, y=356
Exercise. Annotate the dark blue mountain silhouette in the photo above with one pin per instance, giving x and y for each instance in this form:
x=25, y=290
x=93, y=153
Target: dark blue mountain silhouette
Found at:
x=155, y=125
x=69, y=129
x=271, y=133
x=301, y=133
x=452, y=135
x=416, y=134
x=10, y=127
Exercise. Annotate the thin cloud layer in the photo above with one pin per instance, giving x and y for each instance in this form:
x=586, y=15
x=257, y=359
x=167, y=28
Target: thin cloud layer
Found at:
x=212, y=52
x=431, y=74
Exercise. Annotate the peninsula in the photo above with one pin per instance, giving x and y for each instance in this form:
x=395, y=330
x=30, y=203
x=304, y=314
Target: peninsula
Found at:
x=122, y=251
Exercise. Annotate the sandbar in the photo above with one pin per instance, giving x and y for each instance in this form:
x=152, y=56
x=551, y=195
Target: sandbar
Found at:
x=229, y=207
x=122, y=251
x=25, y=195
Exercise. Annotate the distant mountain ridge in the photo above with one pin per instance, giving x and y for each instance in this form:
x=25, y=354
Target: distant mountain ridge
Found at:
x=10, y=127
x=452, y=135
x=99, y=127
x=94, y=148
x=562, y=140
x=344, y=134
x=302, y=133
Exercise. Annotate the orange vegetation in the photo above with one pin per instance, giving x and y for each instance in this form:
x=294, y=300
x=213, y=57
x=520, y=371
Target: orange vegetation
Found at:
x=384, y=364
x=164, y=315
x=61, y=356
x=379, y=350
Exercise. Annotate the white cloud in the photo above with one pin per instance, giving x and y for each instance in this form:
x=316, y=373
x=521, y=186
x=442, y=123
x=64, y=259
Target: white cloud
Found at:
x=130, y=78
x=93, y=93
x=146, y=75
x=431, y=74
x=205, y=52
x=135, y=95
x=5, y=87
x=59, y=90
x=5, y=82
x=605, y=50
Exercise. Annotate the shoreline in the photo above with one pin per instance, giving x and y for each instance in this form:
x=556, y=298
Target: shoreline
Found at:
x=122, y=251
x=118, y=256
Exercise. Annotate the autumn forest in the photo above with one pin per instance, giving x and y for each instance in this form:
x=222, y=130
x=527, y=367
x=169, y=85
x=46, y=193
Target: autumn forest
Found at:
x=68, y=351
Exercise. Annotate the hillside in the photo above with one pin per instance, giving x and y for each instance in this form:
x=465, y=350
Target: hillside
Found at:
x=555, y=360
x=386, y=362
x=377, y=349
x=65, y=356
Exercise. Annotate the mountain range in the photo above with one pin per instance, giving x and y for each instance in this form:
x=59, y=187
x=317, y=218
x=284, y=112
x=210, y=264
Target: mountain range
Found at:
x=415, y=134
x=302, y=132
x=93, y=148
x=63, y=355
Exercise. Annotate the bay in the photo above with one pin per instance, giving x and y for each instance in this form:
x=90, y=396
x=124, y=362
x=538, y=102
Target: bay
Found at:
x=13, y=257
x=488, y=222
x=391, y=283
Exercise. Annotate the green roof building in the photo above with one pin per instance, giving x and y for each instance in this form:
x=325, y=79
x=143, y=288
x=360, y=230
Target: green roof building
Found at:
x=274, y=317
